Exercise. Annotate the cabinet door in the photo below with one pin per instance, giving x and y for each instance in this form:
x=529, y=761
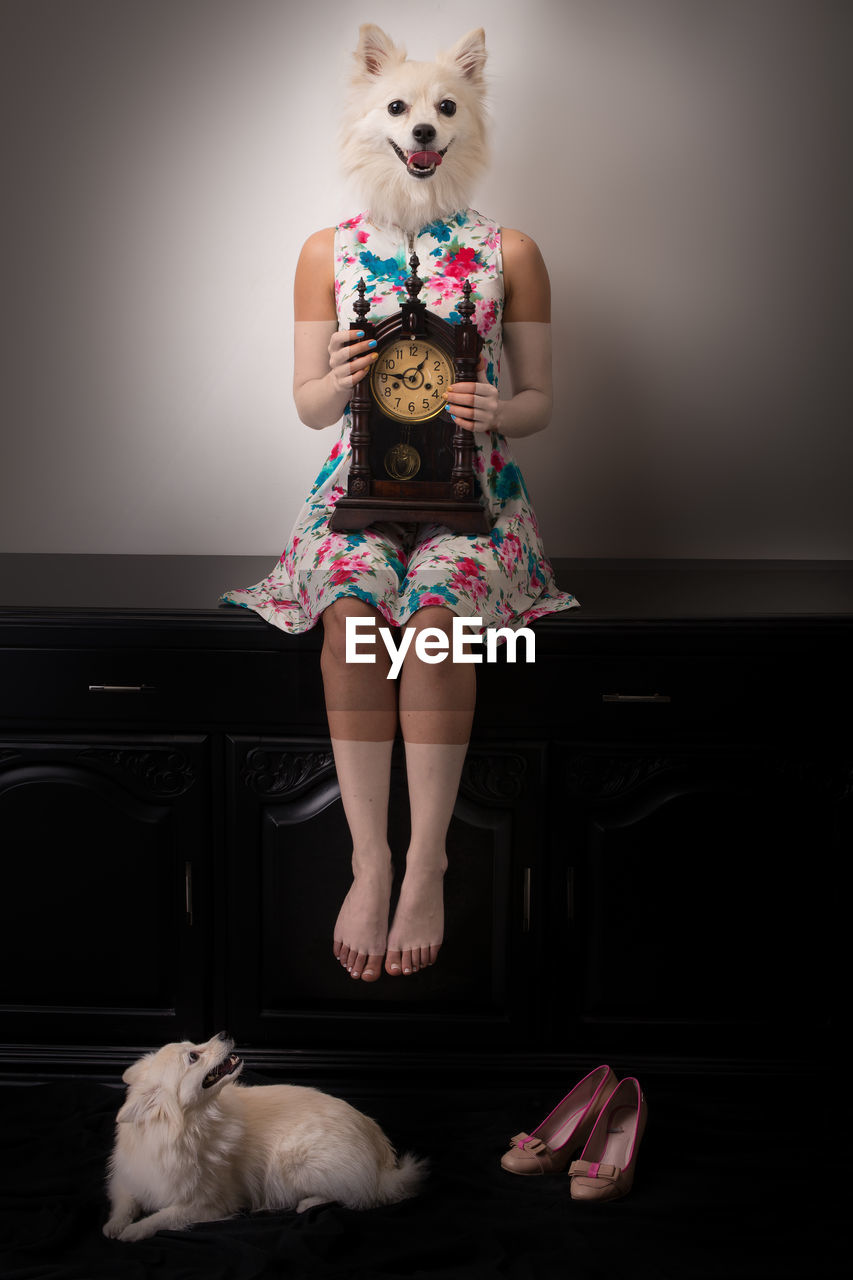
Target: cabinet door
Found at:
x=104, y=857
x=697, y=897
x=289, y=871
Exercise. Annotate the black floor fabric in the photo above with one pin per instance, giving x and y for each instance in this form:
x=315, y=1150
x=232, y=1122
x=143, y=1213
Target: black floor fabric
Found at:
x=728, y=1188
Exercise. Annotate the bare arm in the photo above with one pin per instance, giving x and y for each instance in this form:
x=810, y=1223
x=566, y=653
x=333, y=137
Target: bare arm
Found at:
x=327, y=363
x=527, y=346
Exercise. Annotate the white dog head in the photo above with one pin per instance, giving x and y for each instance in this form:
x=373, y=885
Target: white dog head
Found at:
x=414, y=135
x=177, y=1079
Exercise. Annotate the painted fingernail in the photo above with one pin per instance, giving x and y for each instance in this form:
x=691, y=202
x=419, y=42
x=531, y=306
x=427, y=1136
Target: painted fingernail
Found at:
x=359, y=333
x=372, y=342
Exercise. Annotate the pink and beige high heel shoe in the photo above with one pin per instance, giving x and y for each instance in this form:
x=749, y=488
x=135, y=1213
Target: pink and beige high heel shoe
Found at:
x=549, y=1148
x=605, y=1170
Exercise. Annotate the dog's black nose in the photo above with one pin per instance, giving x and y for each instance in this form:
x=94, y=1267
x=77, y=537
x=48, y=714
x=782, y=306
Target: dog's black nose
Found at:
x=424, y=134
x=223, y=1035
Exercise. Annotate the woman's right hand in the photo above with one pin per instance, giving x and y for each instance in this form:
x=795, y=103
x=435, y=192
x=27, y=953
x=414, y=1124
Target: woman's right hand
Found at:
x=327, y=361
x=350, y=357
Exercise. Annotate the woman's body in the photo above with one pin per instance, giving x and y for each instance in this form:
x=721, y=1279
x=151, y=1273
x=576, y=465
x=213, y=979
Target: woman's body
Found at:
x=416, y=576
x=433, y=704
x=436, y=702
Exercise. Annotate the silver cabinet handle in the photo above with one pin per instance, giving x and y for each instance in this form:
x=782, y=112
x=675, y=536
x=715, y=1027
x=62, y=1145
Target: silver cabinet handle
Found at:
x=120, y=688
x=636, y=697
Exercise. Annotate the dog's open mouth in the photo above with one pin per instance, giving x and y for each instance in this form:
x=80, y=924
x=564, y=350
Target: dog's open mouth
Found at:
x=420, y=164
x=225, y=1068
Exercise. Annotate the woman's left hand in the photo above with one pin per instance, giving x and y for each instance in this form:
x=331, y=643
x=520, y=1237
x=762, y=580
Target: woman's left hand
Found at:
x=474, y=405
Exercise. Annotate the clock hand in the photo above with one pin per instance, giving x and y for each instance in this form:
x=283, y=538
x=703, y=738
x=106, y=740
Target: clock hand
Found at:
x=414, y=372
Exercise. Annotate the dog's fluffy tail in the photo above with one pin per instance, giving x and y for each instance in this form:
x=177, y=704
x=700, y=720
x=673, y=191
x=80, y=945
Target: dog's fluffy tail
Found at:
x=402, y=1180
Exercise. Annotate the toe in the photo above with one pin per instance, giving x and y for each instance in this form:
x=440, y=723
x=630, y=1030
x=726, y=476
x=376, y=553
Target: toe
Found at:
x=394, y=963
x=372, y=969
x=433, y=954
x=406, y=962
x=358, y=964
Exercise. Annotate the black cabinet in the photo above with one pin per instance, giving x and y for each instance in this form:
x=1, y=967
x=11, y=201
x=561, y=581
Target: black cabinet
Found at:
x=699, y=897
x=644, y=855
x=106, y=883
x=289, y=874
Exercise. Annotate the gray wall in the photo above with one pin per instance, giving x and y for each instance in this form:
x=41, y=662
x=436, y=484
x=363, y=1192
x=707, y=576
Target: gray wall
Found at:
x=683, y=164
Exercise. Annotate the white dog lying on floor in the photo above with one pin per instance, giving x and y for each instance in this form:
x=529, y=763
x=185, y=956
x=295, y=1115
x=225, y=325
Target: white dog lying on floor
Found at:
x=192, y=1145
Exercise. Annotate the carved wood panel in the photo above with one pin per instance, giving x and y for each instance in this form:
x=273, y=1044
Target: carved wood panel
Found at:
x=104, y=846
x=292, y=873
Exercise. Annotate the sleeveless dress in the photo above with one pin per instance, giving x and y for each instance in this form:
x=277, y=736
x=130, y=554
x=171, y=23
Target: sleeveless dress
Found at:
x=502, y=577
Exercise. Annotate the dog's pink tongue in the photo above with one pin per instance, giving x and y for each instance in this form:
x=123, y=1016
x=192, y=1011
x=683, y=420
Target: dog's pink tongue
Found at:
x=424, y=159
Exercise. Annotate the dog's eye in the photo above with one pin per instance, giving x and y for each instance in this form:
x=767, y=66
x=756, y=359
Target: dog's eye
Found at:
x=192, y=1057
x=397, y=107
x=447, y=107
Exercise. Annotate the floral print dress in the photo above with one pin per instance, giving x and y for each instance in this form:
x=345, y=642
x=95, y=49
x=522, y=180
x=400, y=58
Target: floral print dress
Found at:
x=502, y=577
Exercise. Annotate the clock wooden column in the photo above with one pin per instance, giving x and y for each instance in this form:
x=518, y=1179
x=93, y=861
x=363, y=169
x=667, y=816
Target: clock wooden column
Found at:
x=409, y=461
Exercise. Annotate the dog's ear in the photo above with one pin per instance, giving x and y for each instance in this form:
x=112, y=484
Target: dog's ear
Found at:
x=135, y=1107
x=144, y=1105
x=376, y=50
x=469, y=55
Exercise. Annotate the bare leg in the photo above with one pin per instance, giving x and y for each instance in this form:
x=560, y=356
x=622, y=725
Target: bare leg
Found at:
x=361, y=704
x=436, y=710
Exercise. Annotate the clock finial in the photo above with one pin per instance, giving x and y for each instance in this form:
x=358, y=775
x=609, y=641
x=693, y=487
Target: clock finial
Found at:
x=362, y=305
x=414, y=284
x=466, y=306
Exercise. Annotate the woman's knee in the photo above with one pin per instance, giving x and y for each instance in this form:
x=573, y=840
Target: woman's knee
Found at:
x=433, y=615
x=433, y=627
x=335, y=618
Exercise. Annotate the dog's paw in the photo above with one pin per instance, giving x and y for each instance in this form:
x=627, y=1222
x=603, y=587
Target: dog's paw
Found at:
x=136, y=1231
x=309, y=1202
x=114, y=1228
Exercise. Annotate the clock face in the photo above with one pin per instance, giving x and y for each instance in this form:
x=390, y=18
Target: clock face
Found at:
x=409, y=380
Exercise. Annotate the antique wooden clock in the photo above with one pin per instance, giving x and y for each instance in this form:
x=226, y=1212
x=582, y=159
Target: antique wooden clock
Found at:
x=409, y=461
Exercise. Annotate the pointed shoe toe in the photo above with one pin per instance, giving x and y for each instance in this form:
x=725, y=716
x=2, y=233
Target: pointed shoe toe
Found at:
x=606, y=1168
x=532, y=1157
x=548, y=1149
x=595, y=1181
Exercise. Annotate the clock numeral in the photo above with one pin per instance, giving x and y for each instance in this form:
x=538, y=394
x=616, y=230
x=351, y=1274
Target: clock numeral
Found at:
x=425, y=404
x=414, y=349
x=389, y=363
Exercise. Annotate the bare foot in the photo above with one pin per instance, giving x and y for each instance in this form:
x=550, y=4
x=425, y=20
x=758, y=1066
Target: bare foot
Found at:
x=417, y=930
x=362, y=925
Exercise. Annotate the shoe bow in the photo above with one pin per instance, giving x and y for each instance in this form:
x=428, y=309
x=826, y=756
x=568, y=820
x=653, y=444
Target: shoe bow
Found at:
x=592, y=1169
x=535, y=1146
